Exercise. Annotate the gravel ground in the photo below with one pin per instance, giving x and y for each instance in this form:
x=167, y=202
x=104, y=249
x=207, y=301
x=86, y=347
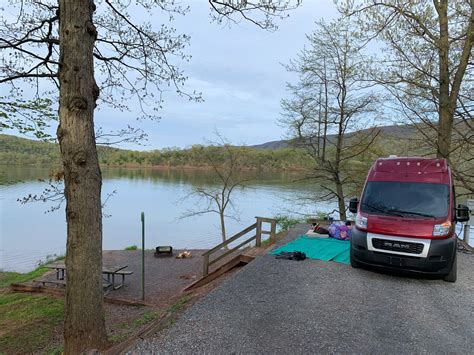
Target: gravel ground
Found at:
x=311, y=306
x=165, y=277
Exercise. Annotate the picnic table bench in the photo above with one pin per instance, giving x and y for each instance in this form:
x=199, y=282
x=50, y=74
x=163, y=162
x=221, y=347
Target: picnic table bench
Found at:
x=62, y=283
x=109, y=271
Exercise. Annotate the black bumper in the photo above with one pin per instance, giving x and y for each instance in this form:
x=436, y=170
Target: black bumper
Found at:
x=438, y=261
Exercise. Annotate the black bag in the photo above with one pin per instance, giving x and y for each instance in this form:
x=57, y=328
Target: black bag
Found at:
x=294, y=255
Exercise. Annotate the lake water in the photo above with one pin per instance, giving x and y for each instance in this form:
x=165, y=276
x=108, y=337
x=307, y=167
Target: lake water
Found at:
x=29, y=235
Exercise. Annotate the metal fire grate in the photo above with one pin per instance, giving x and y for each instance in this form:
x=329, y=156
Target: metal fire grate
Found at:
x=164, y=251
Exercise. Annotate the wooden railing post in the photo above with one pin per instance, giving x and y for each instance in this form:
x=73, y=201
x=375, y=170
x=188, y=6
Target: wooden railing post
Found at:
x=273, y=232
x=258, y=234
x=205, y=269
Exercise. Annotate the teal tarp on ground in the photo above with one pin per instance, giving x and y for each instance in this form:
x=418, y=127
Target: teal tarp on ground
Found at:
x=319, y=248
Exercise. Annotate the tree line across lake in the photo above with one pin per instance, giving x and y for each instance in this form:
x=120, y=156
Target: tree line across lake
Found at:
x=20, y=151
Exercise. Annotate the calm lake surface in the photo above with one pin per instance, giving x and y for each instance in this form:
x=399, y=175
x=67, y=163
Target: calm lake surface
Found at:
x=29, y=235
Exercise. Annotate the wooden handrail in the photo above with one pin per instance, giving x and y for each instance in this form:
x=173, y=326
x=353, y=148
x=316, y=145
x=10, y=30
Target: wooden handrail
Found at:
x=265, y=219
x=231, y=239
x=231, y=250
x=257, y=237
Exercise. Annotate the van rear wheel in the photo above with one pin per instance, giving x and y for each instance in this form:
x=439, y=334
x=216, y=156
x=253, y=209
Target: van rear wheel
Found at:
x=453, y=274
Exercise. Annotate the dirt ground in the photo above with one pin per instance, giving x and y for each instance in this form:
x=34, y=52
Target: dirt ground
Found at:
x=165, y=277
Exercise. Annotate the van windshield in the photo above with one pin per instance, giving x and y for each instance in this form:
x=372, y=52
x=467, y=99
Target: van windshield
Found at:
x=406, y=199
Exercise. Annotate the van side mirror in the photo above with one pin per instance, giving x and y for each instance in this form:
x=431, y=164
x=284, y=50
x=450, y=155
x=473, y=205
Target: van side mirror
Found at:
x=462, y=213
x=353, y=204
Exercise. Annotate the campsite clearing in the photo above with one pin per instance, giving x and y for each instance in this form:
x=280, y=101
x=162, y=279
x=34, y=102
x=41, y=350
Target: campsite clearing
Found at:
x=282, y=306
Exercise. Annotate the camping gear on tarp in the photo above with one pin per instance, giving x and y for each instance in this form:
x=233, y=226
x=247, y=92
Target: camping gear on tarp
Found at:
x=340, y=230
x=312, y=234
x=319, y=229
x=184, y=255
x=294, y=255
x=318, y=248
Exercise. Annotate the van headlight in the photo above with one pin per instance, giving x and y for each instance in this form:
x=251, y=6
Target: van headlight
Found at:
x=440, y=230
x=361, y=222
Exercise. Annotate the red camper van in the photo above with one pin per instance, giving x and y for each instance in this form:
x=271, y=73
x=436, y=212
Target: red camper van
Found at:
x=406, y=217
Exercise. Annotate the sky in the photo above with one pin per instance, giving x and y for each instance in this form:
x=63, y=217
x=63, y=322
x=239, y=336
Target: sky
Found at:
x=238, y=69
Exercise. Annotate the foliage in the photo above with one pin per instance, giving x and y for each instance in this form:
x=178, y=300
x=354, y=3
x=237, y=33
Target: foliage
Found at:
x=131, y=247
x=15, y=150
x=332, y=97
x=285, y=222
x=425, y=65
x=26, y=117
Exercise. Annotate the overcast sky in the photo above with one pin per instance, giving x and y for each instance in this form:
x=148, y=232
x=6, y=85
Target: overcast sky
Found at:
x=239, y=71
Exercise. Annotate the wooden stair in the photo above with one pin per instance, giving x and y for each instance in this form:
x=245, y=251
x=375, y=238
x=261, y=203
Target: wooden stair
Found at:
x=246, y=256
x=236, y=261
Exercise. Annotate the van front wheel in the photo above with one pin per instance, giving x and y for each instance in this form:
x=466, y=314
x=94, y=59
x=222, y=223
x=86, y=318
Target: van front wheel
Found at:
x=354, y=263
x=453, y=274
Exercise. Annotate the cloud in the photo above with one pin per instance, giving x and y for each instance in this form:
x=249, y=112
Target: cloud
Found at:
x=238, y=69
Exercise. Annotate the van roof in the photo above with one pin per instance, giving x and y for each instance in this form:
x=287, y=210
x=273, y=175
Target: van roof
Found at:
x=416, y=169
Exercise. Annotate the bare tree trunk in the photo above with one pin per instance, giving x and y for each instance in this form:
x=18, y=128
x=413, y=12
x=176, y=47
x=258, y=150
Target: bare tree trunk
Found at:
x=445, y=124
x=340, y=199
x=326, y=112
x=84, y=326
x=337, y=170
x=320, y=117
x=223, y=232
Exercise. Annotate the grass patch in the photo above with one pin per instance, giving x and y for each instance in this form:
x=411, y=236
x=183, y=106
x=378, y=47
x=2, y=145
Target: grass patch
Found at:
x=131, y=247
x=27, y=321
x=56, y=350
x=179, y=305
x=7, y=278
x=146, y=318
x=117, y=338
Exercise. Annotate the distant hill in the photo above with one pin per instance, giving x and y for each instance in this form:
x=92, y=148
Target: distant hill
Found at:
x=274, y=155
x=272, y=145
x=392, y=131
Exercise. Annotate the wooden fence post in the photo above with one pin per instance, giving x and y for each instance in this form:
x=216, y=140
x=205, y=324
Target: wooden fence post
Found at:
x=258, y=239
x=205, y=269
x=273, y=232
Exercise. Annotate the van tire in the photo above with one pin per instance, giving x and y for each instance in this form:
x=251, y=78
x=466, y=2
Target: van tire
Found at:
x=354, y=263
x=453, y=274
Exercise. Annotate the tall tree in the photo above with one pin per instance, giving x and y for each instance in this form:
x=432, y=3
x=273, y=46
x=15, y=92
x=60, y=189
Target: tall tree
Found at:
x=82, y=177
x=427, y=65
x=72, y=51
x=332, y=98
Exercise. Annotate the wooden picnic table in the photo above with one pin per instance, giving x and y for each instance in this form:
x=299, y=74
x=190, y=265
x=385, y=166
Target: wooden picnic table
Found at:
x=109, y=271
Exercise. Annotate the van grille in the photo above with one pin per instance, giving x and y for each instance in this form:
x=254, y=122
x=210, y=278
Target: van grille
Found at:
x=395, y=245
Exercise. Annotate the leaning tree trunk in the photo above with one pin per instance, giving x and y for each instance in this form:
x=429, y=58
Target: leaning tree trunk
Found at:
x=341, y=205
x=337, y=164
x=84, y=326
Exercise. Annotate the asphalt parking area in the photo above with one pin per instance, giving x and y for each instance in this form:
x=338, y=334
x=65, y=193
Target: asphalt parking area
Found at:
x=282, y=306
